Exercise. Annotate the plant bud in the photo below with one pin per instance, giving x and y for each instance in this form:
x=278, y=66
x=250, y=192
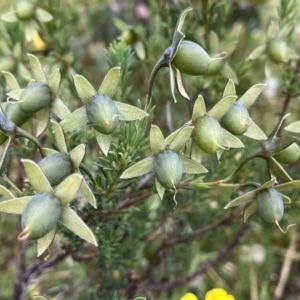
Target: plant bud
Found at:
x=56, y=167
x=237, y=119
x=35, y=97
x=208, y=134
x=102, y=113
x=14, y=113
x=25, y=9
x=168, y=169
x=40, y=215
x=288, y=155
x=191, y=58
x=270, y=205
x=277, y=50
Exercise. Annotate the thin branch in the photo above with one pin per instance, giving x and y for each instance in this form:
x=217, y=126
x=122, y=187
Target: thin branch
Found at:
x=202, y=268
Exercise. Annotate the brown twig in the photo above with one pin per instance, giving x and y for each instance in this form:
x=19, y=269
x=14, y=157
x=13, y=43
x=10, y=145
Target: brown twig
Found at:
x=203, y=268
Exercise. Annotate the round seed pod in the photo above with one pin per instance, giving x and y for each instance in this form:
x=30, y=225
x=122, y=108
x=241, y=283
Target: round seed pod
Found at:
x=56, y=167
x=237, y=119
x=25, y=9
x=168, y=169
x=102, y=113
x=191, y=58
x=277, y=50
x=35, y=97
x=270, y=205
x=288, y=155
x=40, y=215
x=14, y=113
x=208, y=134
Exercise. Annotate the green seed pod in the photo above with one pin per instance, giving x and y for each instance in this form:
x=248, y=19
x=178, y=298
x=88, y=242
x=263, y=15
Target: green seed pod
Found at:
x=25, y=9
x=237, y=119
x=56, y=167
x=129, y=37
x=8, y=63
x=270, y=205
x=168, y=169
x=277, y=50
x=102, y=113
x=40, y=215
x=191, y=58
x=288, y=155
x=35, y=97
x=14, y=113
x=208, y=134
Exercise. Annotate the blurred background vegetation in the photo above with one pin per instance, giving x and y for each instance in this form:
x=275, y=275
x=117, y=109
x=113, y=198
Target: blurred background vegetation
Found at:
x=149, y=247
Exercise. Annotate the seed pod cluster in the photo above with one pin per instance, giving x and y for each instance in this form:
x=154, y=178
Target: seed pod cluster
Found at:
x=168, y=169
x=237, y=119
x=191, y=58
x=40, y=215
x=102, y=113
x=56, y=167
x=270, y=205
x=208, y=134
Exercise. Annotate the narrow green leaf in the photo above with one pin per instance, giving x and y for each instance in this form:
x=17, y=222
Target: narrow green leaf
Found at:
x=59, y=137
x=42, y=120
x=73, y=222
x=251, y=94
x=256, y=53
x=140, y=168
x=36, y=68
x=172, y=71
x=250, y=210
x=229, y=88
x=196, y=153
x=43, y=16
x=157, y=141
x=77, y=154
x=221, y=108
x=76, y=119
x=159, y=189
x=110, y=82
x=140, y=50
x=267, y=184
x=192, y=167
x=54, y=81
x=294, y=184
x=245, y=198
x=179, y=139
x=254, y=132
x=286, y=199
x=103, y=140
x=59, y=108
x=232, y=141
x=199, y=109
x=129, y=112
x=88, y=193
x=36, y=176
x=11, y=81
x=14, y=206
x=278, y=170
x=179, y=84
x=5, y=193
x=68, y=188
x=181, y=18
x=293, y=127
x=44, y=242
x=84, y=88
x=10, y=17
